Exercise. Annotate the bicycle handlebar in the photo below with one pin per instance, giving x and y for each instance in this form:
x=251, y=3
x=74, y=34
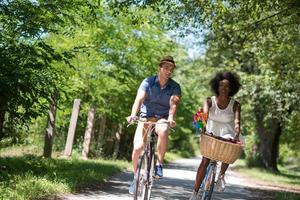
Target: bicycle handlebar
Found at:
x=137, y=120
x=223, y=139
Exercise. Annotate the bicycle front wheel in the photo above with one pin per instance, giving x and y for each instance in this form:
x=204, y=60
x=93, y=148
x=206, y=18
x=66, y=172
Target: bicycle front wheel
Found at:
x=212, y=184
x=209, y=183
x=140, y=186
x=150, y=172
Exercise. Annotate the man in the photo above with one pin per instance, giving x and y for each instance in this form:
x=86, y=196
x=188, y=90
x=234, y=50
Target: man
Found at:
x=157, y=98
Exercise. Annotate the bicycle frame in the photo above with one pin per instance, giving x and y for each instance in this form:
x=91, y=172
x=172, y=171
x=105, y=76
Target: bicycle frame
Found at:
x=208, y=183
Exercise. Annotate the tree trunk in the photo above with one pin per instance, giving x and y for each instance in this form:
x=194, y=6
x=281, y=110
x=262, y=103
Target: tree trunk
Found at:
x=269, y=134
x=50, y=131
x=88, y=133
x=118, y=131
x=2, y=114
x=100, y=138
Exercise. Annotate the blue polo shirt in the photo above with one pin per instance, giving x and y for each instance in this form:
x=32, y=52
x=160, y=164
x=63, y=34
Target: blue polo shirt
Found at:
x=157, y=101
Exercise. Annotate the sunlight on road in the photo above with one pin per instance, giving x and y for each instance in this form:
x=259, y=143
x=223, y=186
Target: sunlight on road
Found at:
x=180, y=174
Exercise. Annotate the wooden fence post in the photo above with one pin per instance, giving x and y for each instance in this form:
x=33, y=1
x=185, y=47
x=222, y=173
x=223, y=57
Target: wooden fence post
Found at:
x=88, y=132
x=72, y=128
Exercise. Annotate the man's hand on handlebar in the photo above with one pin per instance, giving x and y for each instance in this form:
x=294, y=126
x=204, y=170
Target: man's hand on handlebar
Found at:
x=131, y=119
x=171, y=122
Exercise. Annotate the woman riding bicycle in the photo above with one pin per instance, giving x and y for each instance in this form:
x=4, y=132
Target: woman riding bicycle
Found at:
x=157, y=99
x=223, y=120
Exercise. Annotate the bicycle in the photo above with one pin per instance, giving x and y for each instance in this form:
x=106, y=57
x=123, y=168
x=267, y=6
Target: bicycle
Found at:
x=146, y=163
x=217, y=149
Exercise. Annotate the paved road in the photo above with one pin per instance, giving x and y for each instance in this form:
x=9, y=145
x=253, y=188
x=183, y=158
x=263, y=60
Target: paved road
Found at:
x=177, y=183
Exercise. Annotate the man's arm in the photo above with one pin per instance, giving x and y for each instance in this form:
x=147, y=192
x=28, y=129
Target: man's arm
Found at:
x=174, y=101
x=139, y=99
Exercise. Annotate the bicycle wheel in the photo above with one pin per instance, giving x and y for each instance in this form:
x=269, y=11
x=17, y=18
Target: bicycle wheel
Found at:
x=208, y=183
x=150, y=170
x=212, y=182
x=140, y=186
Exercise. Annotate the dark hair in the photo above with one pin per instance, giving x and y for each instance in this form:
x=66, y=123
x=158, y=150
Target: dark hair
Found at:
x=233, y=79
x=167, y=59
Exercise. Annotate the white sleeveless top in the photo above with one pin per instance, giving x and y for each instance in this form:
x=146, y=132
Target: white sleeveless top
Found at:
x=221, y=121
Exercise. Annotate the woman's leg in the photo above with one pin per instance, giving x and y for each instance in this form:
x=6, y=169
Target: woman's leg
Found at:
x=224, y=167
x=201, y=173
x=220, y=186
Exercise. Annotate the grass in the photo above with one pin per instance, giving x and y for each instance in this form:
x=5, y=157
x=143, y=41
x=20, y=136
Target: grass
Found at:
x=27, y=177
x=170, y=156
x=285, y=178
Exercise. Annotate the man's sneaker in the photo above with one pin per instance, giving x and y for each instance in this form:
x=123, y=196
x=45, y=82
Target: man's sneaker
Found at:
x=132, y=187
x=195, y=196
x=158, y=171
x=220, y=186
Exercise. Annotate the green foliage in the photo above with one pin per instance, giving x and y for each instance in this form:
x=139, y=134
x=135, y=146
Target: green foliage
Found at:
x=260, y=41
x=28, y=77
x=251, y=150
x=113, y=55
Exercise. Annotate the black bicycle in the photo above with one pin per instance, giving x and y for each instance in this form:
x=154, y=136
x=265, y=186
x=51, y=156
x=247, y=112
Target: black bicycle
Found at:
x=146, y=163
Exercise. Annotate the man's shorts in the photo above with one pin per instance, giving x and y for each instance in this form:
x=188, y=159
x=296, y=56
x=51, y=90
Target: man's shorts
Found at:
x=140, y=136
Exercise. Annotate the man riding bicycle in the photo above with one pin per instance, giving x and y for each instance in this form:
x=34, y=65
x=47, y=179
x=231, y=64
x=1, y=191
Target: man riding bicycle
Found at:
x=157, y=100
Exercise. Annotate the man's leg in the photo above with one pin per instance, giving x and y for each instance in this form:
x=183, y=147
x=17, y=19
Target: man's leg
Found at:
x=138, y=145
x=137, y=149
x=162, y=145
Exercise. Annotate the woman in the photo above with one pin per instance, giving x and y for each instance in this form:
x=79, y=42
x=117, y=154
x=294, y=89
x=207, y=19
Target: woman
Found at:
x=223, y=120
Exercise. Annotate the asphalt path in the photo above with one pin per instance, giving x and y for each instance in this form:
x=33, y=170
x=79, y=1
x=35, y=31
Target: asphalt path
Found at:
x=177, y=183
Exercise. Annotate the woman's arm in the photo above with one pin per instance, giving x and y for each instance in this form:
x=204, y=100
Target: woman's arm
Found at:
x=237, y=118
x=206, y=105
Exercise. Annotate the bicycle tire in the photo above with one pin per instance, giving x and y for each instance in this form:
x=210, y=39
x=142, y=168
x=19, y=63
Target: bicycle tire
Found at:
x=139, y=193
x=208, y=183
x=212, y=183
x=150, y=169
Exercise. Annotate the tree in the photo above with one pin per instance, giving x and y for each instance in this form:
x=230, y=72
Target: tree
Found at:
x=113, y=55
x=260, y=39
x=27, y=76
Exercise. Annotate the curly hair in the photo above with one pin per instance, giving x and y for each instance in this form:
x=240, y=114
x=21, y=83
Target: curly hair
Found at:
x=233, y=79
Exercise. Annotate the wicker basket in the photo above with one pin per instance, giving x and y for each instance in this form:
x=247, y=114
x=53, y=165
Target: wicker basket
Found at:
x=219, y=150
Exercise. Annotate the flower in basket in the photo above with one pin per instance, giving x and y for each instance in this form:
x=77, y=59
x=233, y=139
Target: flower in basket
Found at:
x=200, y=119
